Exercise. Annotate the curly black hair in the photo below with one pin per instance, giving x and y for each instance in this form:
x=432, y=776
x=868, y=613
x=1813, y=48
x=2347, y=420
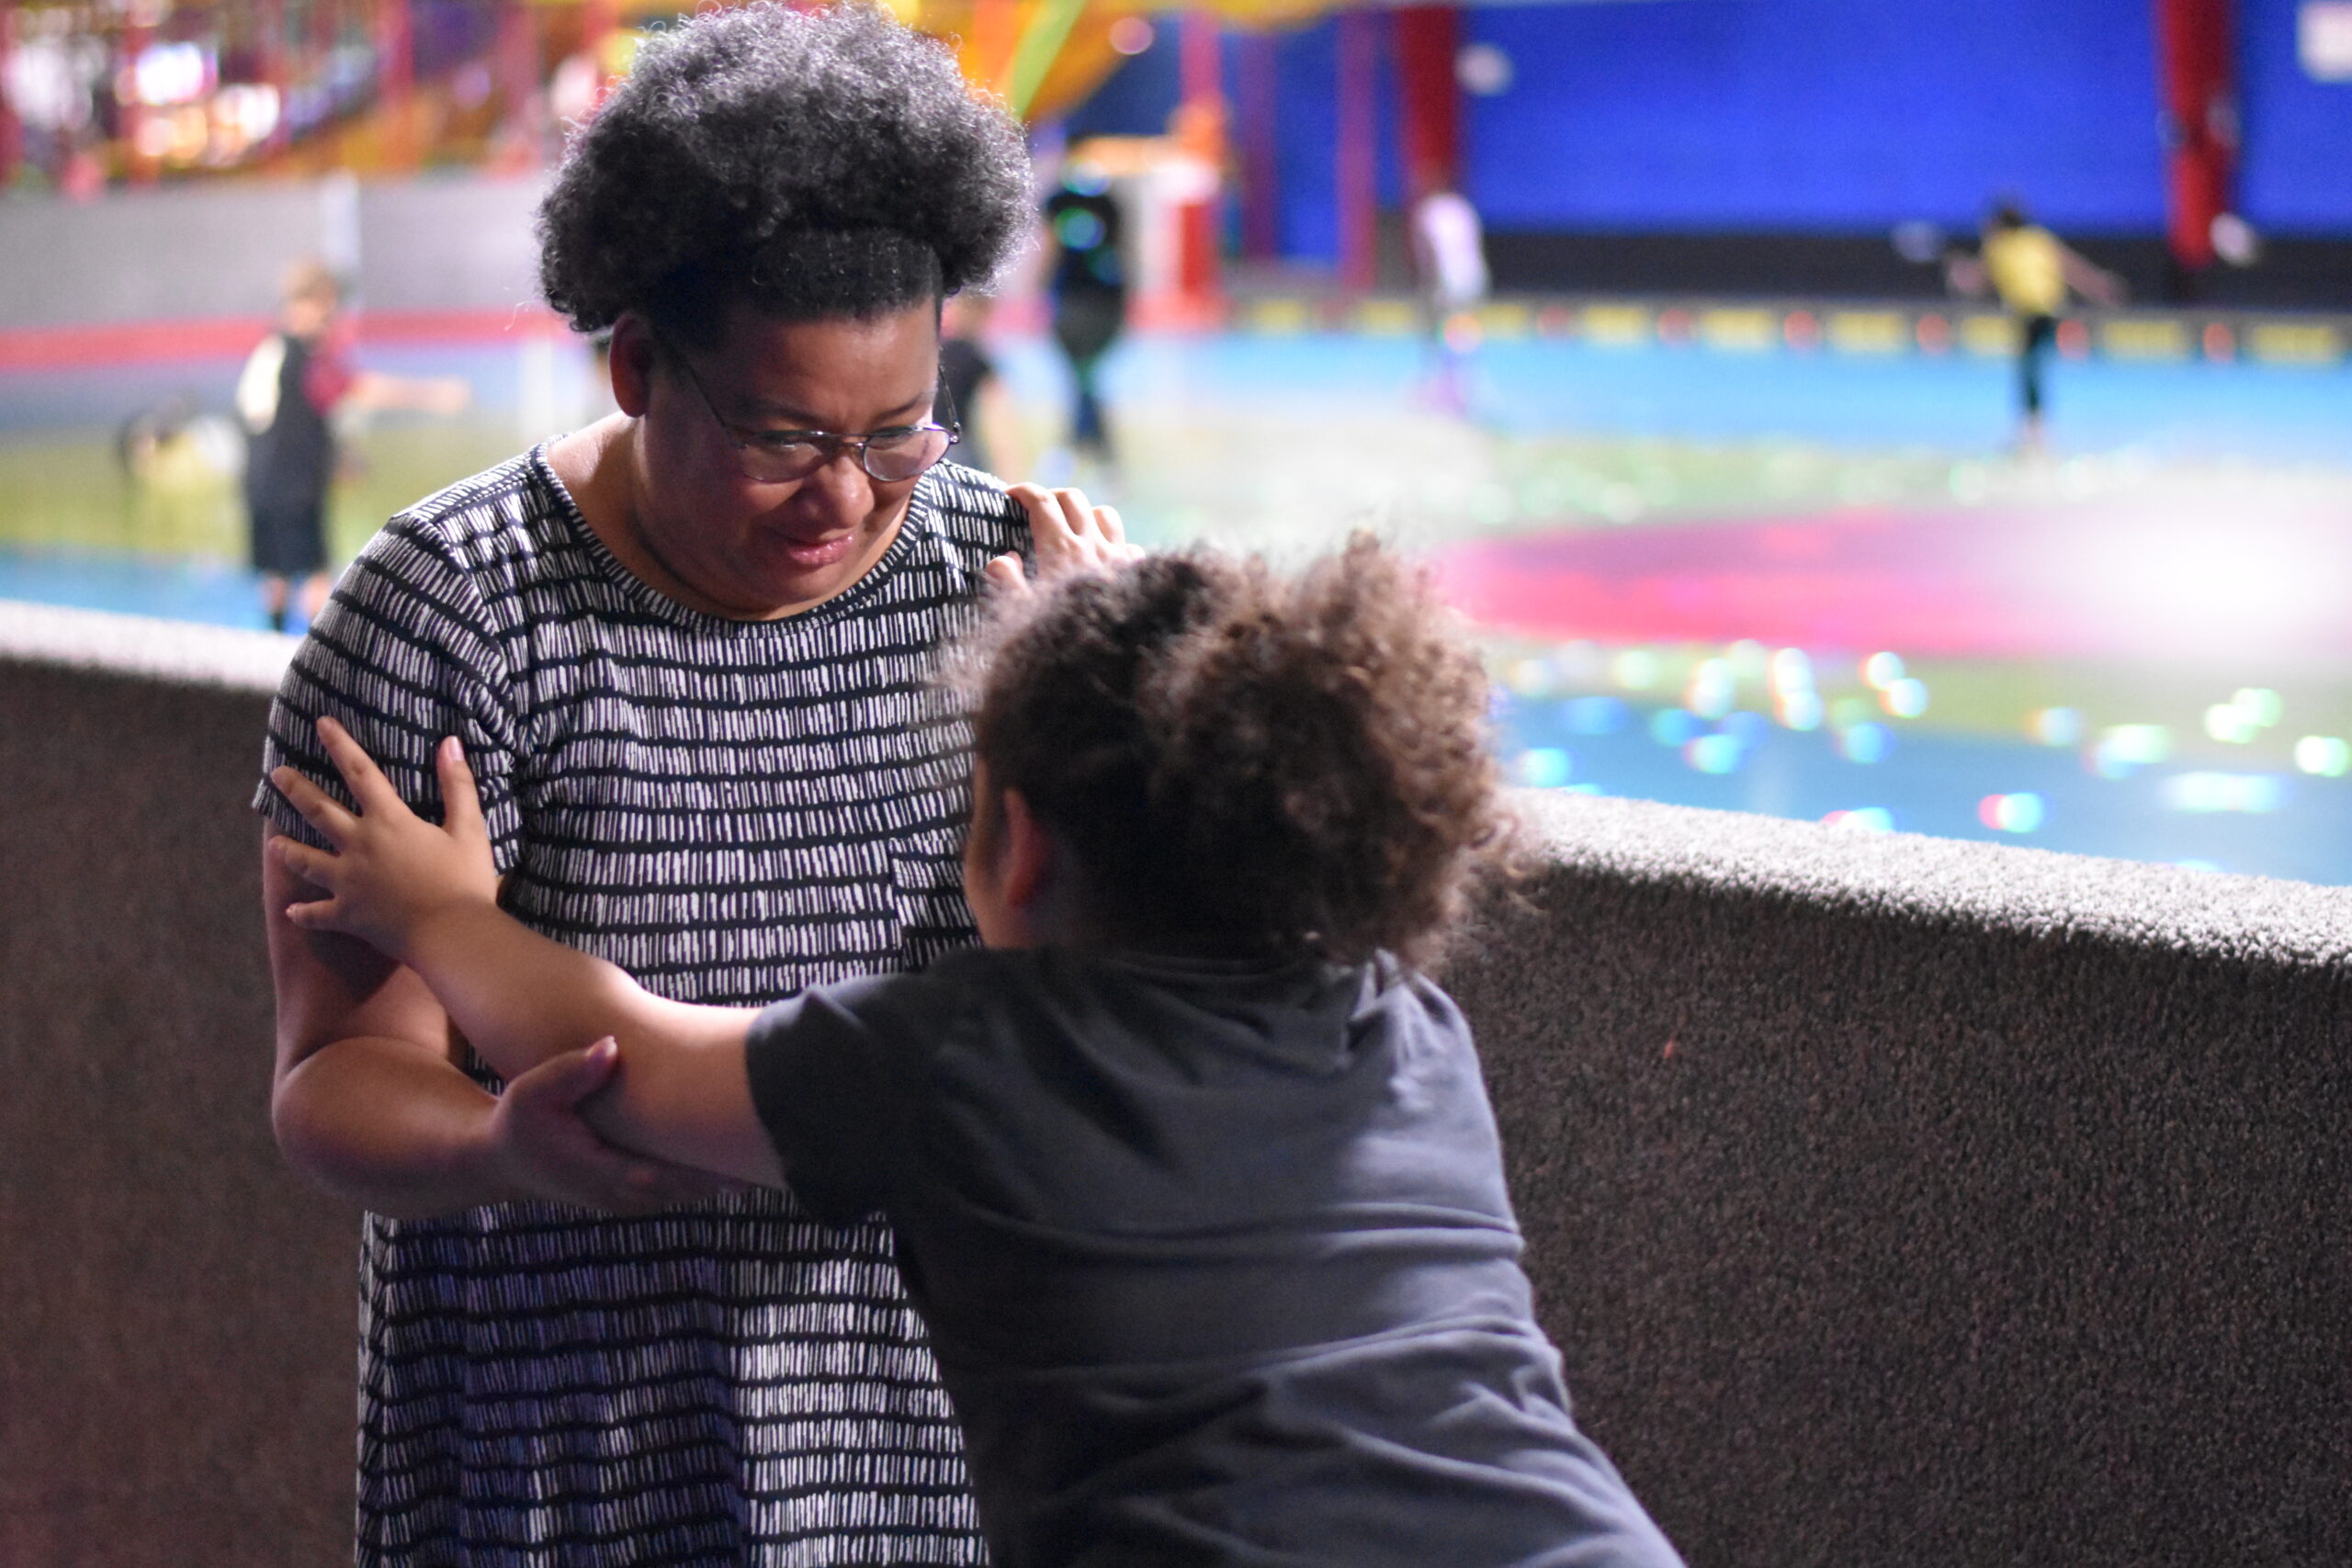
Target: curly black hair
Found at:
x=1249, y=763
x=811, y=164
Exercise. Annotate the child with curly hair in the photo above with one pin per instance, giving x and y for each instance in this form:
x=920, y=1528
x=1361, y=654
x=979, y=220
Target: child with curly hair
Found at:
x=1192, y=1168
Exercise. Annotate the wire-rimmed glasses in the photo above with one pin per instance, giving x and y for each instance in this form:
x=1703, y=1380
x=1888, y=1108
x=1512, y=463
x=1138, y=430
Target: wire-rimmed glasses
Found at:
x=890, y=456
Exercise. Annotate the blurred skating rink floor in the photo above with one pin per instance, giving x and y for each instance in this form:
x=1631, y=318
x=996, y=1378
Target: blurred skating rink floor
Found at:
x=1810, y=584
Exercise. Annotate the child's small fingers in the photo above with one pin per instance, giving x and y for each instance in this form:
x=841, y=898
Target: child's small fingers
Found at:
x=369, y=785
x=1049, y=523
x=316, y=915
x=1113, y=526
x=1076, y=515
x=460, y=802
x=1006, y=574
x=317, y=807
x=312, y=864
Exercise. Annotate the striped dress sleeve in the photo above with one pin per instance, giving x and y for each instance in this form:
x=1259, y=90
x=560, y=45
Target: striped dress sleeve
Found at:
x=401, y=656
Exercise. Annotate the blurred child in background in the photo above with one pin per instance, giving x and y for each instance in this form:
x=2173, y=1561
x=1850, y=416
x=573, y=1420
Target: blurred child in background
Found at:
x=2031, y=273
x=1450, y=263
x=1089, y=285
x=294, y=384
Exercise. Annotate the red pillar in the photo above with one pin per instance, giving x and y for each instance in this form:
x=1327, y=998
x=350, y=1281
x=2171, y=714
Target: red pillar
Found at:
x=394, y=34
x=12, y=142
x=1356, y=173
x=2200, y=107
x=1255, y=132
x=130, y=44
x=1201, y=61
x=1202, y=129
x=1428, y=38
x=325, y=31
x=395, y=53
x=516, y=54
x=270, y=46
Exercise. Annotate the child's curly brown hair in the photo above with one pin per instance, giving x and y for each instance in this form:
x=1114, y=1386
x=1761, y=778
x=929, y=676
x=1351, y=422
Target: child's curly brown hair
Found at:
x=1246, y=762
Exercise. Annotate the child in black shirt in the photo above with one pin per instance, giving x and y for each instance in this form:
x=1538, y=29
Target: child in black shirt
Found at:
x=1194, y=1173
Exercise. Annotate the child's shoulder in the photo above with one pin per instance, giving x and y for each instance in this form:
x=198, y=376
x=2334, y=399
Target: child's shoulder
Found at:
x=982, y=979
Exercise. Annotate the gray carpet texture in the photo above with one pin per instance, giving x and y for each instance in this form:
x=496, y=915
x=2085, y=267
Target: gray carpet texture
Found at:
x=1893, y=1200
x=178, y=1329
x=1908, y=1201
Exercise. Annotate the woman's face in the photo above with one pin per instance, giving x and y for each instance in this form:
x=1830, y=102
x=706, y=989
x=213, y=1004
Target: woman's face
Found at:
x=740, y=546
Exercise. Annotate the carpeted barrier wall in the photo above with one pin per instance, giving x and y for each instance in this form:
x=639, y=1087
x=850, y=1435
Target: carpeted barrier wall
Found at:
x=178, y=1327
x=1894, y=1202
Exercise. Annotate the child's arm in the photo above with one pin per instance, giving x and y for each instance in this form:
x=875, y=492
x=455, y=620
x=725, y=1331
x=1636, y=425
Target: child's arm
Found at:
x=428, y=898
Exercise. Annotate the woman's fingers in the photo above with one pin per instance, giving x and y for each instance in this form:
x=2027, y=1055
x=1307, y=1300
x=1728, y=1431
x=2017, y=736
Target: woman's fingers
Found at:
x=370, y=787
x=460, y=802
x=318, y=808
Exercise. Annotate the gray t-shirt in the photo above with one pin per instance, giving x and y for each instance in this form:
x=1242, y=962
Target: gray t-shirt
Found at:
x=1217, y=1259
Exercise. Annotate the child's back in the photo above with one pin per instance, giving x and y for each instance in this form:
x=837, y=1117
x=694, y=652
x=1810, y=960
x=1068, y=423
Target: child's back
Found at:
x=1217, y=1256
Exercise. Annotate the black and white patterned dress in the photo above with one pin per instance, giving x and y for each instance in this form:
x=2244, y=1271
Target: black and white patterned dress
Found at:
x=731, y=811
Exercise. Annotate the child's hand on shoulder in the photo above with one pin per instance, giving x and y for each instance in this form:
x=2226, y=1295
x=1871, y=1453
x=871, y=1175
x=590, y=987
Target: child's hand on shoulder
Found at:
x=391, y=872
x=1066, y=535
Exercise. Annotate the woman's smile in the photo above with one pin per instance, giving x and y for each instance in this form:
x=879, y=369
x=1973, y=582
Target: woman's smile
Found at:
x=809, y=552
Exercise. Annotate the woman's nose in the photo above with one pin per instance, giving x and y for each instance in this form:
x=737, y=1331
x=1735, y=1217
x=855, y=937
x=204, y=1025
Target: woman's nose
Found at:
x=843, y=487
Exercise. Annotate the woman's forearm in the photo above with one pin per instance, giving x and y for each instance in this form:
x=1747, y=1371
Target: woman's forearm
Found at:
x=391, y=1128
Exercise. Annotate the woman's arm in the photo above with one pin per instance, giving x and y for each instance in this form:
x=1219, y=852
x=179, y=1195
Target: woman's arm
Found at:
x=368, y=1098
x=425, y=896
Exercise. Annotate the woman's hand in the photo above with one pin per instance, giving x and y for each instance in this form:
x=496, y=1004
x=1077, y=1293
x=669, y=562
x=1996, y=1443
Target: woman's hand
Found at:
x=1066, y=534
x=545, y=1148
x=391, y=871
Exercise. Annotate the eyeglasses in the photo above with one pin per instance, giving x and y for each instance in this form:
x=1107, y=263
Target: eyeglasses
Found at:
x=893, y=456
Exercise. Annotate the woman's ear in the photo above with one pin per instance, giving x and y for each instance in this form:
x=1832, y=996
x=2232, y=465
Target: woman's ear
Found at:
x=631, y=358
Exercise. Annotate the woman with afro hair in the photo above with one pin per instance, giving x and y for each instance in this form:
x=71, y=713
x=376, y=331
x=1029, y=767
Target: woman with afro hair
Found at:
x=689, y=650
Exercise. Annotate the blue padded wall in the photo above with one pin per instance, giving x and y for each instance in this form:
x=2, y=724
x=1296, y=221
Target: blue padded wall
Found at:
x=1138, y=98
x=1809, y=116
x=2296, y=178
x=1821, y=115
x=1306, y=129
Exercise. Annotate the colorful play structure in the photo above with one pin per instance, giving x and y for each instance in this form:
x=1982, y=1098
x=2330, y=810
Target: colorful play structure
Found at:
x=1296, y=128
